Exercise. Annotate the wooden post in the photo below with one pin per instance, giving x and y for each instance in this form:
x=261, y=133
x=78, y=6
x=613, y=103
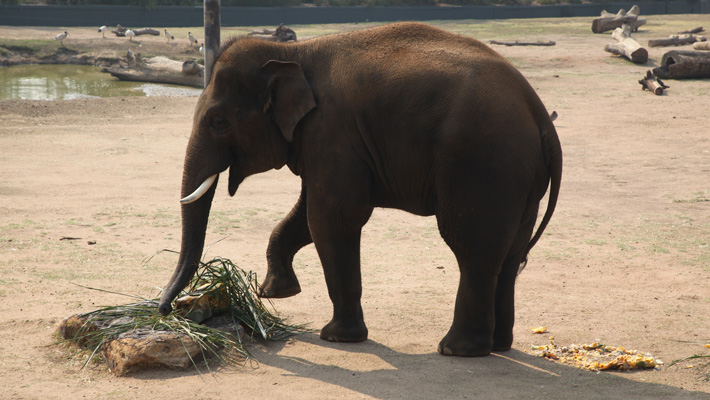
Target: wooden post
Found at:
x=212, y=28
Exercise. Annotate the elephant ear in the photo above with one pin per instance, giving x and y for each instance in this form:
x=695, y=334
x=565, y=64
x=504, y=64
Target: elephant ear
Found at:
x=289, y=95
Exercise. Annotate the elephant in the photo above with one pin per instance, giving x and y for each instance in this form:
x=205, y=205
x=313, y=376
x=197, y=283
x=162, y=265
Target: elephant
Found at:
x=405, y=116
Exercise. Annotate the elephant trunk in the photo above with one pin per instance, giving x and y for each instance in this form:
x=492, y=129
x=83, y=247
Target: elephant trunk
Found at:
x=194, y=224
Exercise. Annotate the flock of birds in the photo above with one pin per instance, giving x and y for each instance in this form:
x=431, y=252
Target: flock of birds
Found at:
x=130, y=34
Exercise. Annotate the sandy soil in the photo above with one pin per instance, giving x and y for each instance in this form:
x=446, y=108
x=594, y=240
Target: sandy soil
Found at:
x=625, y=259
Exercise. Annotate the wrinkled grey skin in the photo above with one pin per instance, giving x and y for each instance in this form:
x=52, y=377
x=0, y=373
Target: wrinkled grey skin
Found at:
x=402, y=116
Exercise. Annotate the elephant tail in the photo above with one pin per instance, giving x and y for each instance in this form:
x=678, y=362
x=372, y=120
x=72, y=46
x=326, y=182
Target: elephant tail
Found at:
x=552, y=152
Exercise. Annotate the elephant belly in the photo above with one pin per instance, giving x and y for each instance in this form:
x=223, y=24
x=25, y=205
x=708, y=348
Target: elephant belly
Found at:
x=419, y=204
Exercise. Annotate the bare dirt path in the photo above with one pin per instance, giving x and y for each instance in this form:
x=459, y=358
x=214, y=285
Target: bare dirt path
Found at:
x=626, y=259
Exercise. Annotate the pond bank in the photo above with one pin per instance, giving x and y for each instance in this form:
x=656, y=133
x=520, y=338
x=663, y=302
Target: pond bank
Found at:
x=70, y=81
x=107, y=53
x=68, y=58
x=83, y=46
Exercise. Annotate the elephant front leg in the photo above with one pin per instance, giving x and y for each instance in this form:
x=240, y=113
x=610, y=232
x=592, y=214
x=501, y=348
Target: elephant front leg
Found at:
x=340, y=256
x=336, y=235
x=289, y=236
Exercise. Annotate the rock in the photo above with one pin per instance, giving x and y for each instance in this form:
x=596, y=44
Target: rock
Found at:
x=144, y=349
x=71, y=327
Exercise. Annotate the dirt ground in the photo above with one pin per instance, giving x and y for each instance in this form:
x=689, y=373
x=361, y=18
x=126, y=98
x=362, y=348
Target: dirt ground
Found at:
x=625, y=260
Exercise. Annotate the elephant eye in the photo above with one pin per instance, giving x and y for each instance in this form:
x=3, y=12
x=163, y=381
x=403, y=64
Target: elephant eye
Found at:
x=219, y=125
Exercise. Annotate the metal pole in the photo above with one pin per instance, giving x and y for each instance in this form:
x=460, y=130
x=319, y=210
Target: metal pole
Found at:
x=212, y=26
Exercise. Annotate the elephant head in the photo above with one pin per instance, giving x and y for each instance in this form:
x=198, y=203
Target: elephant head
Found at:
x=243, y=121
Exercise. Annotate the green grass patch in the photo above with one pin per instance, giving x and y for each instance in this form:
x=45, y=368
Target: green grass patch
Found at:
x=698, y=197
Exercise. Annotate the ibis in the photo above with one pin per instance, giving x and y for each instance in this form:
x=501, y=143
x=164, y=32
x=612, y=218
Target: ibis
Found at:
x=168, y=35
x=61, y=37
x=191, y=38
x=103, y=29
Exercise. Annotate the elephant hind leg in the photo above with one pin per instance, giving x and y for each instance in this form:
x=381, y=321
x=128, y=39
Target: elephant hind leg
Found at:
x=480, y=233
x=505, y=289
x=289, y=236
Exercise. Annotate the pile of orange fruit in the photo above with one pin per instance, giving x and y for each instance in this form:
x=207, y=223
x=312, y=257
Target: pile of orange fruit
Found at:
x=596, y=356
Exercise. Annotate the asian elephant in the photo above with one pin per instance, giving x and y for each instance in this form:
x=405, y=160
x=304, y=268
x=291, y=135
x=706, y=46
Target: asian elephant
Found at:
x=403, y=116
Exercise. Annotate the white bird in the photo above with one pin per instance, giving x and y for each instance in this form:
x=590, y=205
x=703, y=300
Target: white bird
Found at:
x=61, y=37
x=202, y=49
x=102, y=30
x=130, y=34
x=169, y=35
x=191, y=38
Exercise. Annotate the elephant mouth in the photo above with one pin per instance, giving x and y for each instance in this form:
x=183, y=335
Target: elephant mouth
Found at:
x=235, y=179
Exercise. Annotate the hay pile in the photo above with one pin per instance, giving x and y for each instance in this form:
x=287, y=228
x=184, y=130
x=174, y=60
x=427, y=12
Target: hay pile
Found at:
x=210, y=319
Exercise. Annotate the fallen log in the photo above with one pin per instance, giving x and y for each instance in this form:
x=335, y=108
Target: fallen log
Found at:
x=701, y=46
x=159, y=70
x=626, y=46
x=280, y=34
x=653, y=84
x=676, y=40
x=120, y=31
x=146, y=31
x=684, y=64
x=691, y=31
x=516, y=43
x=608, y=21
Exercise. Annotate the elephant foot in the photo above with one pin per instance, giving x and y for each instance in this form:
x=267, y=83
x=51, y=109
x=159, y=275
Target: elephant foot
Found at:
x=279, y=286
x=461, y=346
x=502, y=342
x=340, y=331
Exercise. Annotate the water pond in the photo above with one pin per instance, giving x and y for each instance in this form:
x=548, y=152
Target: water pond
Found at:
x=66, y=82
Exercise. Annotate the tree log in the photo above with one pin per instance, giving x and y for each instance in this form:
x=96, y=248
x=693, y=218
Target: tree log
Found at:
x=120, y=31
x=680, y=64
x=653, y=84
x=691, y=31
x=626, y=46
x=608, y=21
x=701, y=46
x=146, y=31
x=280, y=34
x=676, y=40
x=516, y=43
x=159, y=70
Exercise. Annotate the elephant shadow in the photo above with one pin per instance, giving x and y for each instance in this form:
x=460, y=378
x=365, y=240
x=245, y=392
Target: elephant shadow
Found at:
x=373, y=369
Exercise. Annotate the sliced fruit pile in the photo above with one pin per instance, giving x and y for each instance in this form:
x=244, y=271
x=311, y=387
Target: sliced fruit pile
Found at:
x=597, y=356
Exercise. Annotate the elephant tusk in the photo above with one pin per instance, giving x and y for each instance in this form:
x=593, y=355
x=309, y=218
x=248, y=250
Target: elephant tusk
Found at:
x=204, y=187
